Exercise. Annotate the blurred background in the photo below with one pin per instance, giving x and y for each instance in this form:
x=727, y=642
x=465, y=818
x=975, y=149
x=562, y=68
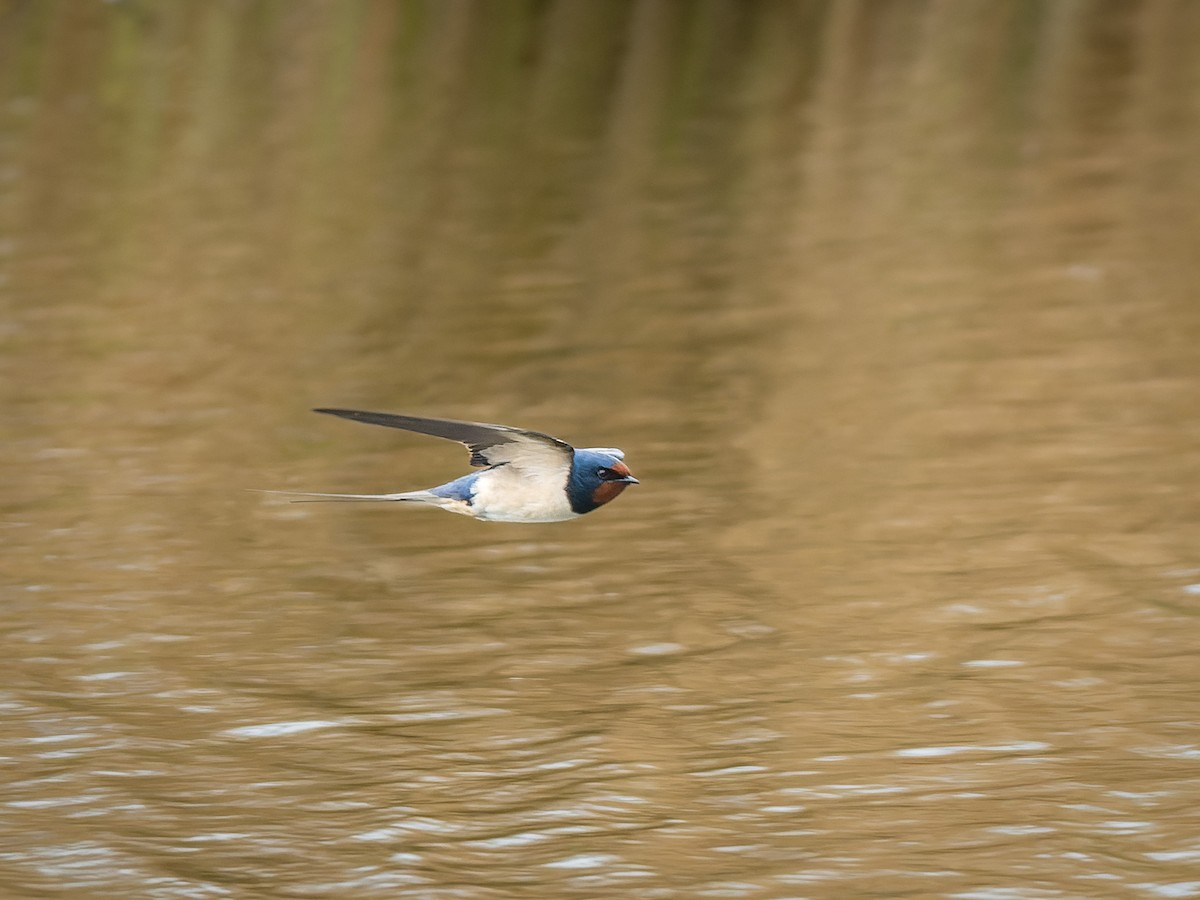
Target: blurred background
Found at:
x=892, y=304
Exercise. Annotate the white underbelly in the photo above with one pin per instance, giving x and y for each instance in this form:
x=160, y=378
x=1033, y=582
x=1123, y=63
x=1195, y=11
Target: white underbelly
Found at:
x=504, y=495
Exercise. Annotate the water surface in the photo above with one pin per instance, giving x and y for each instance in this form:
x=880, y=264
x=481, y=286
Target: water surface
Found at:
x=892, y=307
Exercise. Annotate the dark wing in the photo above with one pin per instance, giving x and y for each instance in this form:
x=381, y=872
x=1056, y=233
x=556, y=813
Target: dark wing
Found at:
x=490, y=445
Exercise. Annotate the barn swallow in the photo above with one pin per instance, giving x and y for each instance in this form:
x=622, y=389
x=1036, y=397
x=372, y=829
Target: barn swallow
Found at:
x=527, y=476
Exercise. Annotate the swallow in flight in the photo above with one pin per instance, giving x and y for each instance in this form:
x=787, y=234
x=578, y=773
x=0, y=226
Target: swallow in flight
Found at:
x=527, y=476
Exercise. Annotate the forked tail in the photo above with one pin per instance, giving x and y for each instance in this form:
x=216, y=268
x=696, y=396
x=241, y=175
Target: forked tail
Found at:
x=310, y=497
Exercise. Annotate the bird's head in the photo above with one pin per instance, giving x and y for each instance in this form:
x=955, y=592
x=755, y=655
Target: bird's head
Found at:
x=597, y=476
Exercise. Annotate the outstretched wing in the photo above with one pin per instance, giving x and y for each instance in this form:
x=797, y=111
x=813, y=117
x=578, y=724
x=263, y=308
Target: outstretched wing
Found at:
x=490, y=445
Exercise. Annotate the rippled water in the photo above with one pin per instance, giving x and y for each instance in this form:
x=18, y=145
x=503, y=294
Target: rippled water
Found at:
x=892, y=307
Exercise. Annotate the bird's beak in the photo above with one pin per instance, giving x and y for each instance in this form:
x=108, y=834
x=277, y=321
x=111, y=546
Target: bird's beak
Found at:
x=628, y=479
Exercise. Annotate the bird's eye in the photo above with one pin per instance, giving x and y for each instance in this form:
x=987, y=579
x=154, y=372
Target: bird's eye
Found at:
x=604, y=474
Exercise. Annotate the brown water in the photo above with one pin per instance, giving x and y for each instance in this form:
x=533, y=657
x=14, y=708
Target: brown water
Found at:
x=893, y=307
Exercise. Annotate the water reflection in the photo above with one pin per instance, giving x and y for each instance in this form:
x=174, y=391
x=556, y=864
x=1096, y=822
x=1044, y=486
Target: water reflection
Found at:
x=890, y=305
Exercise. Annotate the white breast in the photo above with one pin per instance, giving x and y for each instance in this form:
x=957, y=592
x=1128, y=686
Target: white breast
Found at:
x=508, y=494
